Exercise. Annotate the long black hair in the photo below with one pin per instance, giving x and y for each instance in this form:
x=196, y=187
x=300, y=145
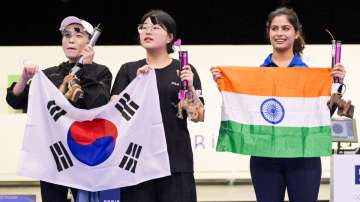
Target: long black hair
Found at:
x=299, y=43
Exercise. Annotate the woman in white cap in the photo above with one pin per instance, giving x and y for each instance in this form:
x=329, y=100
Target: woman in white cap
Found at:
x=95, y=83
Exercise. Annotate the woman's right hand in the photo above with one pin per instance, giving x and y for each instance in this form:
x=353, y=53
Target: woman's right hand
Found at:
x=28, y=72
x=143, y=70
x=216, y=73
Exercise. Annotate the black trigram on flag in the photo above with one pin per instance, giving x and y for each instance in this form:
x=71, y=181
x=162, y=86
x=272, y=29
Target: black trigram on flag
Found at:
x=55, y=111
x=126, y=107
x=131, y=157
x=61, y=156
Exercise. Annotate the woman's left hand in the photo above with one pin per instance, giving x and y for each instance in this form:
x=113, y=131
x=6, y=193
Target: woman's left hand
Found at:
x=187, y=74
x=88, y=54
x=339, y=71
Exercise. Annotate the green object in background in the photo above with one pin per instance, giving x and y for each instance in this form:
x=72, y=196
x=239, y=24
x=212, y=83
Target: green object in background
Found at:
x=12, y=78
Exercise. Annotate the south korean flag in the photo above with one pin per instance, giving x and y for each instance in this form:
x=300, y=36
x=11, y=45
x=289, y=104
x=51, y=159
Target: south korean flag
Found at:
x=116, y=145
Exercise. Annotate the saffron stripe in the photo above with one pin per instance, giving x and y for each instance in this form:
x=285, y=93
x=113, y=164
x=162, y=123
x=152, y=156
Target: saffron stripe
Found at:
x=281, y=82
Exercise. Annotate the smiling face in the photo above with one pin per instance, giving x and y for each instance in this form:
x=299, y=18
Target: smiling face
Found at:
x=74, y=40
x=153, y=37
x=282, y=34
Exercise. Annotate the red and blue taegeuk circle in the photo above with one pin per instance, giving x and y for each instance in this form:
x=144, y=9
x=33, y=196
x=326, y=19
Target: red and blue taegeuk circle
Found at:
x=92, y=142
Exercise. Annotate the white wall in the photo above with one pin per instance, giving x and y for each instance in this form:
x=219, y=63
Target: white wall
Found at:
x=208, y=163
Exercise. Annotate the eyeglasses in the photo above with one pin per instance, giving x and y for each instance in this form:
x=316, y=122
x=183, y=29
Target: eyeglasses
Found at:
x=142, y=28
x=70, y=34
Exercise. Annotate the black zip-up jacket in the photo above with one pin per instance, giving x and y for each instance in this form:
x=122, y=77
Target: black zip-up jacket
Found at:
x=95, y=82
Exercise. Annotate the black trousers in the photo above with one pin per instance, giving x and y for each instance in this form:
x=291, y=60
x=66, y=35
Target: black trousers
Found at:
x=54, y=192
x=272, y=176
x=179, y=187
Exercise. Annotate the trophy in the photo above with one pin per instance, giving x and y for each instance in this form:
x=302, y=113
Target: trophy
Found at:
x=94, y=38
x=183, y=58
x=194, y=110
x=344, y=108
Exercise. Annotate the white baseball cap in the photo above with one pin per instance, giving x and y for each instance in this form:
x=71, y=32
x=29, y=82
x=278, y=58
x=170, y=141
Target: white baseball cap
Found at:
x=75, y=20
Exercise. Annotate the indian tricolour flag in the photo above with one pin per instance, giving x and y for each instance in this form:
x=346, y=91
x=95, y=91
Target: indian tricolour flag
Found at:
x=275, y=112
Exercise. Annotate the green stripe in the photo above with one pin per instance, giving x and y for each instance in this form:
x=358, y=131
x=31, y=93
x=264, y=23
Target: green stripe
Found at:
x=272, y=141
